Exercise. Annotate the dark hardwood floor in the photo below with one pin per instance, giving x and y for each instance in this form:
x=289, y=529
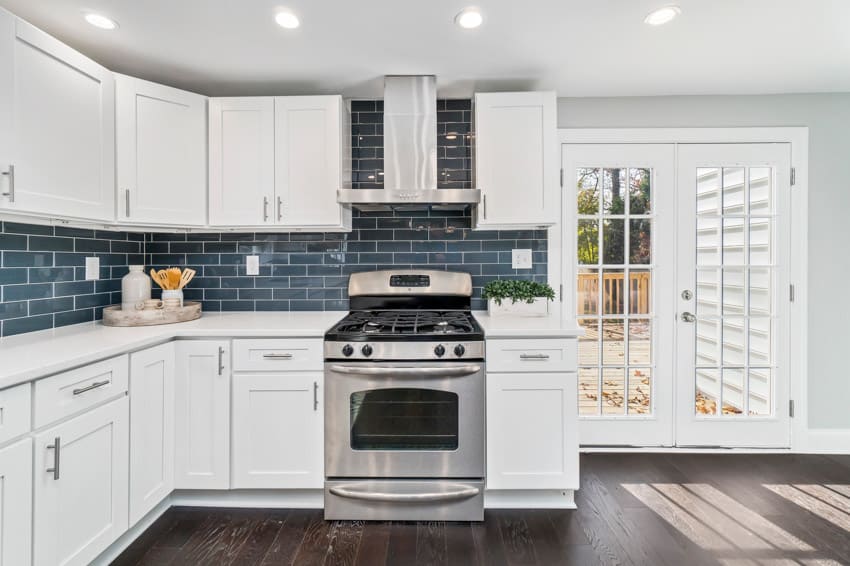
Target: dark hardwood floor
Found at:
x=654, y=509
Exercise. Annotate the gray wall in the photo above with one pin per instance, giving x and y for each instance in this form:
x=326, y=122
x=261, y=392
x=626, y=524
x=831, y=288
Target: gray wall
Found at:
x=828, y=119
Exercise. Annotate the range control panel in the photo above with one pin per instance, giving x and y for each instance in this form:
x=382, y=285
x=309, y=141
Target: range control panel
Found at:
x=410, y=281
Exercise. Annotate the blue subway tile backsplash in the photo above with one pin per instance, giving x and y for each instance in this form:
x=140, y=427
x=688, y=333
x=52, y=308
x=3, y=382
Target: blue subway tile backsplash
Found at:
x=42, y=268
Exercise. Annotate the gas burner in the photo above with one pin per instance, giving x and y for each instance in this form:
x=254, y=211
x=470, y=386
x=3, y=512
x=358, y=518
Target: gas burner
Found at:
x=405, y=323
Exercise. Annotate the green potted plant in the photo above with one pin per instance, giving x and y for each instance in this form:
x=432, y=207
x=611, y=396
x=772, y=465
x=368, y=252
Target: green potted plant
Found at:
x=518, y=298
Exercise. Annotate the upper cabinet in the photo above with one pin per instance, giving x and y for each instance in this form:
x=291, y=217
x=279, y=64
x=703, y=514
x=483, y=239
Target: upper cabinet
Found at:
x=516, y=159
x=161, y=136
x=57, y=127
x=278, y=162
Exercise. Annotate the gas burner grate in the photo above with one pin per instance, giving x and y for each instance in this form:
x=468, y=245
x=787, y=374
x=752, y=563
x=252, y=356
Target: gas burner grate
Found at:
x=406, y=322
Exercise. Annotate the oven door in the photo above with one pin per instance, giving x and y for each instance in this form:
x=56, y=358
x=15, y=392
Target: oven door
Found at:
x=404, y=419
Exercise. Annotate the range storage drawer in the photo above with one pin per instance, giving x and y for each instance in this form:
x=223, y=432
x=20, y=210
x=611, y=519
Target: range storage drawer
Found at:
x=68, y=393
x=272, y=354
x=549, y=354
x=15, y=412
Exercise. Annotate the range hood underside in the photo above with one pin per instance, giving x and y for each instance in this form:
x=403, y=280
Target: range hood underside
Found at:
x=361, y=198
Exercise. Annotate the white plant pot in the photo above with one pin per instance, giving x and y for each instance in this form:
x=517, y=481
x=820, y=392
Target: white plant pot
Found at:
x=540, y=307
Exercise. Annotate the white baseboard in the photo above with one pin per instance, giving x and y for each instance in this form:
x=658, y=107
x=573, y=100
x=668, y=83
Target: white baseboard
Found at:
x=523, y=499
x=251, y=498
x=824, y=441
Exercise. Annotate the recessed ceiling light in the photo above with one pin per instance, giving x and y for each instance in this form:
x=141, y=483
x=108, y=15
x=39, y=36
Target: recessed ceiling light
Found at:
x=286, y=19
x=662, y=16
x=469, y=18
x=101, y=21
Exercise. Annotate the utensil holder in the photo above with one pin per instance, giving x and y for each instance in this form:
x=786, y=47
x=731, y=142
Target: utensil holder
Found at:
x=172, y=294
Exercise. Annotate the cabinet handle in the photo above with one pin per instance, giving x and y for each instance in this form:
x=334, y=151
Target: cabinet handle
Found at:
x=277, y=356
x=94, y=385
x=56, y=447
x=315, y=395
x=279, y=211
x=11, y=174
x=127, y=202
x=532, y=357
x=220, y=360
x=484, y=204
x=265, y=209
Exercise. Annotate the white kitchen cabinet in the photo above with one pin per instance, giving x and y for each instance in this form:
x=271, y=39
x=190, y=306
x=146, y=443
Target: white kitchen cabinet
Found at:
x=517, y=165
x=202, y=403
x=81, y=482
x=531, y=443
x=278, y=430
x=161, y=147
x=309, y=153
x=151, y=428
x=241, y=161
x=57, y=127
x=16, y=503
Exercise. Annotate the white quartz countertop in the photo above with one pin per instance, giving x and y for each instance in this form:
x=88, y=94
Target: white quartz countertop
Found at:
x=39, y=354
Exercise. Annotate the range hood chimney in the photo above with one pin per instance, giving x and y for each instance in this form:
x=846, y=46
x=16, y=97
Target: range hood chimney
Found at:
x=410, y=150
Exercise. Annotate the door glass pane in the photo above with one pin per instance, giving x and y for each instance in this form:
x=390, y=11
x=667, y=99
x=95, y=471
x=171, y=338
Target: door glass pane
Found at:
x=708, y=241
x=759, y=341
x=588, y=191
x=734, y=341
x=707, y=391
x=614, y=191
x=760, y=241
x=640, y=191
x=708, y=190
x=587, y=242
x=759, y=392
x=639, y=291
x=588, y=345
x=613, y=391
x=587, y=292
x=733, y=391
x=733, y=241
x=613, y=342
x=404, y=419
x=733, y=291
x=707, y=342
x=613, y=293
x=640, y=392
x=640, y=343
x=759, y=288
x=640, y=242
x=760, y=189
x=708, y=292
x=588, y=391
x=733, y=190
x=613, y=241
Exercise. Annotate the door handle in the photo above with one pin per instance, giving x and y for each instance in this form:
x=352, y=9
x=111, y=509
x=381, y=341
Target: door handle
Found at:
x=94, y=385
x=279, y=209
x=127, y=202
x=56, y=447
x=220, y=360
x=459, y=492
x=265, y=209
x=10, y=194
x=315, y=395
x=688, y=317
x=484, y=205
x=456, y=371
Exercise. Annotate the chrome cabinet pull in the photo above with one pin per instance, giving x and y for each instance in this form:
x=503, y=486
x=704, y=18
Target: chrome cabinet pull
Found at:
x=279, y=209
x=56, y=447
x=533, y=357
x=127, y=202
x=315, y=395
x=265, y=209
x=484, y=204
x=11, y=174
x=460, y=492
x=94, y=385
x=277, y=356
x=220, y=360
x=456, y=371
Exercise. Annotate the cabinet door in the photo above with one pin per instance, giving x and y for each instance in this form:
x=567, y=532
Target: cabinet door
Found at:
x=161, y=153
x=308, y=134
x=57, y=127
x=151, y=428
x=516, y=159
x=16, y=503
x=278, y=431
x=81, y=481
x=241, y=145
x=530, y=441
x=202, y=401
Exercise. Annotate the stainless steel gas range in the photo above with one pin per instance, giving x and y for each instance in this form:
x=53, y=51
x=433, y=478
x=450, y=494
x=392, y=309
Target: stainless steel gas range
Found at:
x=405, y=401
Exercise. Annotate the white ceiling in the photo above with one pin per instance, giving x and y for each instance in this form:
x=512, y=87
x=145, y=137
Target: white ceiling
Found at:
x=577, y=47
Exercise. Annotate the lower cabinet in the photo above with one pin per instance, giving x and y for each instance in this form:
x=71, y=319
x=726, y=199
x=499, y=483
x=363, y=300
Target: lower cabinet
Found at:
x=151, y=428
x=81, y=486
x=16, y=503
x=278, y=430
x=202, y=406
x=529, y=443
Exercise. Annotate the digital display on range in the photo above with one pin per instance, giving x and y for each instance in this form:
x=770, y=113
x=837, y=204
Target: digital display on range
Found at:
x=410, y=281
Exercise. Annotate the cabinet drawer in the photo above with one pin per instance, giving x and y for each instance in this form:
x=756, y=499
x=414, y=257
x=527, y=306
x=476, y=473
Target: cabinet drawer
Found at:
x=277, y=355
x=71, y=392
x=15, y=412
x=531, y=355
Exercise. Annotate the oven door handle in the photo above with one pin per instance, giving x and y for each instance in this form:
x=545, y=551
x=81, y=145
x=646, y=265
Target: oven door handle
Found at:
x=460, y=492
x=456, y=371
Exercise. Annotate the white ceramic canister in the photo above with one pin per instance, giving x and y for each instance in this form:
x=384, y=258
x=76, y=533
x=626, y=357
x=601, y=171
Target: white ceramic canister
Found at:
x=135, y=289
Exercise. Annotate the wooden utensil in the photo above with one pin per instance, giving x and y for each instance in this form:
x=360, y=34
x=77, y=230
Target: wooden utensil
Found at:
x=159, y=279
x=173, y=275
x=187, y=276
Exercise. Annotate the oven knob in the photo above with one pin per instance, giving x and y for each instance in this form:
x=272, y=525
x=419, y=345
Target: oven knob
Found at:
x=459, y=350
x=439, y=350
x=347, y=350
x=366, y=350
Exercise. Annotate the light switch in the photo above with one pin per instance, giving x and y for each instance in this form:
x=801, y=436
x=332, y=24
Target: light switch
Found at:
x=521, y=259
x=252, y=265
x=92, y=268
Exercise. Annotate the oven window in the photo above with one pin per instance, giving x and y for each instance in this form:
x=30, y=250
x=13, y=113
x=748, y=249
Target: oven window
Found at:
x=404, y=419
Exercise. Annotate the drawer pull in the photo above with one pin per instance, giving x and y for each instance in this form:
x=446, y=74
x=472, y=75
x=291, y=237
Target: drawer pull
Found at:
x=277, y=356
x=534, y=357
x=56, y=446
x=94, y=385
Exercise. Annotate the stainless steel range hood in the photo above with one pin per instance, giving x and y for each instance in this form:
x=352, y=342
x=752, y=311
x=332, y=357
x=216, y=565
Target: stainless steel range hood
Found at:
x=410, y=151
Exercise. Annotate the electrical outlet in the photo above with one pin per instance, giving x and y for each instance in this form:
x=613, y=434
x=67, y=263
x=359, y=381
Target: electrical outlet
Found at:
x=252, y=265
x=92, y=268
x=521, y=259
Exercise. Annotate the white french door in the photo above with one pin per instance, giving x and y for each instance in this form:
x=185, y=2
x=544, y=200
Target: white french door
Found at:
x=678, y=253
x=621, y=197
x=732, y=330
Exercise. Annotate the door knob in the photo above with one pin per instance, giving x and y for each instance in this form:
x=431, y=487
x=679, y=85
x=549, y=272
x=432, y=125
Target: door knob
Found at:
x=688, y=317
x=687, y=295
